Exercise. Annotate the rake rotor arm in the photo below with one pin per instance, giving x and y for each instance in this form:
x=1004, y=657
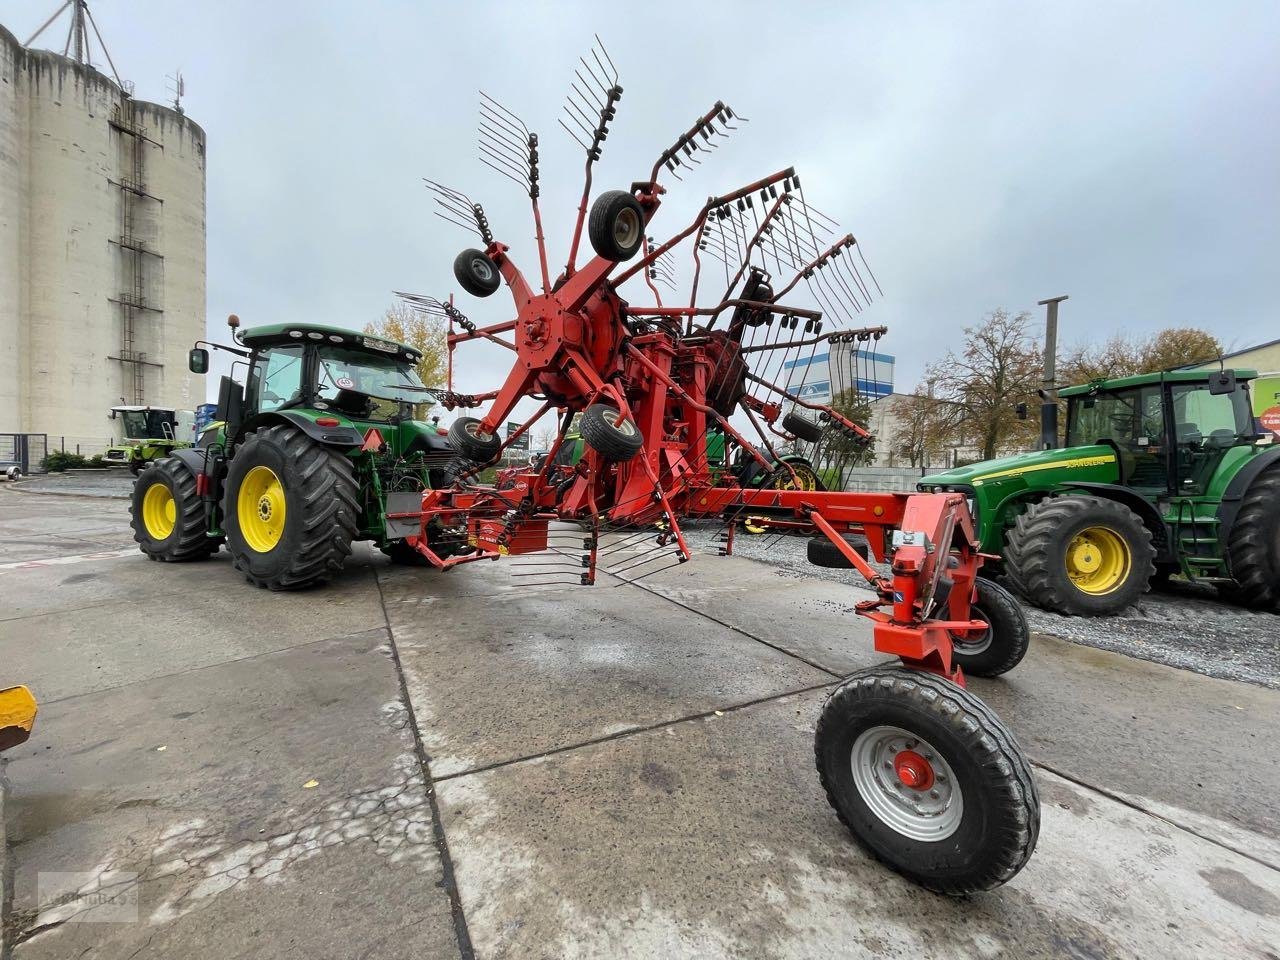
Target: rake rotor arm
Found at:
x=829, y=411
x=816, y=262
x=711, y=204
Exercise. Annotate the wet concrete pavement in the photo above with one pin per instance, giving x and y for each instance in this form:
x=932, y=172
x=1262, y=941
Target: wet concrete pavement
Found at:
x=415, y=764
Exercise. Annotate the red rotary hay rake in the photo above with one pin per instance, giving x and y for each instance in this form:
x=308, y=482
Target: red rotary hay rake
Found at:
x=920, y=770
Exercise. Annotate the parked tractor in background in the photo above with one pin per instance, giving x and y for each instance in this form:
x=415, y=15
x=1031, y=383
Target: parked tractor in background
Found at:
x=1162, y=473
x=148, y=433
x=300, y=461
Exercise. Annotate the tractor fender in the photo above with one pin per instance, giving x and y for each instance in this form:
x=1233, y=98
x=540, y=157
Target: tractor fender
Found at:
x=1239, y=486
x=342, y=438
x=1150, y=516
x=192, y=458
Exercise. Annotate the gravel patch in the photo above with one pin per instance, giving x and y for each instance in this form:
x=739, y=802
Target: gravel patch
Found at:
x=1183, y=625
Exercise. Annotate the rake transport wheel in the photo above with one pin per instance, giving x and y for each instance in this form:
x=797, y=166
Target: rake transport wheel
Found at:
x=167, y=516
x=1081, y=555
x=610, y=434
x=1253, y=546
x=927, y=779
x=823, y=553
x=802, y=427
x=289, y=509
x=616, y=225
x=476, y=273
x=468, y=439
x=1004, y=643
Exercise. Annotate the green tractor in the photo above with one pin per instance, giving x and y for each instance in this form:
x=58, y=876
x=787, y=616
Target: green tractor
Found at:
x=148, y=434
x=311, y=454
x=1162, y=473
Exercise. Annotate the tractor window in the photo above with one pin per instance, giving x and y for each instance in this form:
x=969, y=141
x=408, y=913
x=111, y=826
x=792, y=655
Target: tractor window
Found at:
x=1132, y=420
x=370, y=385
x=1206, y=427
x=276, y=378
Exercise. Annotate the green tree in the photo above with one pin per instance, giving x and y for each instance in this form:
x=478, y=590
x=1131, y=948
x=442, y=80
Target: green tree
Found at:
x=1125, y=356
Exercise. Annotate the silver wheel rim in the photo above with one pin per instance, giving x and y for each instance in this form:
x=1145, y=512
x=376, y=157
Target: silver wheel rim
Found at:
x=930, y=814
x=624, y=426
x=626, y=229
x=970, y=645
x=473, y=429
x=482, y=268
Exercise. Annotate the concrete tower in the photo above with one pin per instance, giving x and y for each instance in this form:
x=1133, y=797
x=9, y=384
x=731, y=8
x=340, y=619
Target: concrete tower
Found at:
x=102, y=248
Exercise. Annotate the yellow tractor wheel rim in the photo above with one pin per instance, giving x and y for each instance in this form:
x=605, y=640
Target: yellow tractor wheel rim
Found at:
x=754, y=525
x=804, y=479
x=1098, y=560
x=260, y=509
x=159, y=511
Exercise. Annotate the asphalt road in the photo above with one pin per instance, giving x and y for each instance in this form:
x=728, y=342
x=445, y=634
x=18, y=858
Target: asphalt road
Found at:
x=480, y=764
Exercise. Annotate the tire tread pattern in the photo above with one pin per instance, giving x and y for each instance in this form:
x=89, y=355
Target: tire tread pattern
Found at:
x=1253, y=536
x=982, y=732
x=330, y=507
x=194, y=542
x=1031, y=563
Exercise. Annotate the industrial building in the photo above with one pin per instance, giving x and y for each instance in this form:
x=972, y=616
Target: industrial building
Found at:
x=102, y=246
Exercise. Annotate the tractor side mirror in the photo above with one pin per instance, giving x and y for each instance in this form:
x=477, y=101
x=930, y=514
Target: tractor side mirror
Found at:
x=198, y=360
x=1021, y=411
x=1222, y=382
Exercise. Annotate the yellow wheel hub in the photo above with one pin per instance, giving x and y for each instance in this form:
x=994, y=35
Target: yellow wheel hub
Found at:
x=260, y=509
x=159, y=511
x=804, y=479
x=1098, y=560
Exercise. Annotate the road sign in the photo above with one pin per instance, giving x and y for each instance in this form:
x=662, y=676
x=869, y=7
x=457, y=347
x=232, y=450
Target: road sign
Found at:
x=522, y=441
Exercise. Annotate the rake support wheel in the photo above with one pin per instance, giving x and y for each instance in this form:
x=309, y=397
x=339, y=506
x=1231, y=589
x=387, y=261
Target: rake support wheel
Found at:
x=476, y=273
x=467, y=438
x=616, y=226
x=610, y=434
x=927, y=779
x=802, y=427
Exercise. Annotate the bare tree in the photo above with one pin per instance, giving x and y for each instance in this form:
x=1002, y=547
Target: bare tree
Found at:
x=998, y=369
x=927, y=426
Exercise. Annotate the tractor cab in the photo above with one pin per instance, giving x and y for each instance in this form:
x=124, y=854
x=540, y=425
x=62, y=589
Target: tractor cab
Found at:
x=146, y=423
x=1171, y=432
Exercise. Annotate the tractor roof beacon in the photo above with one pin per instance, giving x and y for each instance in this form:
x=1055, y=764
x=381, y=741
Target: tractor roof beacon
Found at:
x=310, y=453
x=1161, y=473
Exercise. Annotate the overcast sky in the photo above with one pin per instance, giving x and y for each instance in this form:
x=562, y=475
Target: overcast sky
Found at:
x=985, y=155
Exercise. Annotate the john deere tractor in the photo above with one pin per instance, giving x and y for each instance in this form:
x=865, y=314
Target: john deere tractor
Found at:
x=1162, y=473
x=309, y=454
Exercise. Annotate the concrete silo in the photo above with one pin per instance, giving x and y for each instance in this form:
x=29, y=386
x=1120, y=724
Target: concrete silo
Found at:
x=102, y=249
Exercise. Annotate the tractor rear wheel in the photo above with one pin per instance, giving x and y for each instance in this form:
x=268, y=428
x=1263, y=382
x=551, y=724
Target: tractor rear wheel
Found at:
x=289, y=509
x=168, y=518
x=927, y=779
x=1004, y=643
x=1080, y=555
x=1253, y=546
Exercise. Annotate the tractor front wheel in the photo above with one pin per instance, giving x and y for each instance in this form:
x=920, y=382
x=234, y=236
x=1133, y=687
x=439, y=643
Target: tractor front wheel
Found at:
x=1004, y=643
x=289, y=509
x=927, y=779
x=1080, y=555
x=167, y=516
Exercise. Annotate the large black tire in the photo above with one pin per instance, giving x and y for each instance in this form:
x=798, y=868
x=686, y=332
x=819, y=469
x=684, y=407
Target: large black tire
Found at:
x=1036, y=554
x=802, y=427
x=466, y=437
x=401, y=554
x=609, y=434
x=476, y=273
x=189, y=538
x=321, y=507
x=823, y=553
x=985, y=809
x=1253, y=546
x=616, y=225
x=1004, y=644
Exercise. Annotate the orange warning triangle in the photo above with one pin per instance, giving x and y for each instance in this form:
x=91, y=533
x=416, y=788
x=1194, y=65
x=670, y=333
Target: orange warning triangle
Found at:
x=373, y=441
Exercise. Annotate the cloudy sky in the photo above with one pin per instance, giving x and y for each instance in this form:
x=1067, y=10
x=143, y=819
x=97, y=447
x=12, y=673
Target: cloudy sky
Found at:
x=985, y=154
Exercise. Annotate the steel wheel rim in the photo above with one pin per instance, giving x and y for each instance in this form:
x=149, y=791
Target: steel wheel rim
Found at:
x=929, y=814
x=159, y=511
x=1098, y=561
x=626, y=228
x=473, y=430
x=482, y=267
x=969, y=644
x=615, y=419
x=804, y=479
x=260, y=509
